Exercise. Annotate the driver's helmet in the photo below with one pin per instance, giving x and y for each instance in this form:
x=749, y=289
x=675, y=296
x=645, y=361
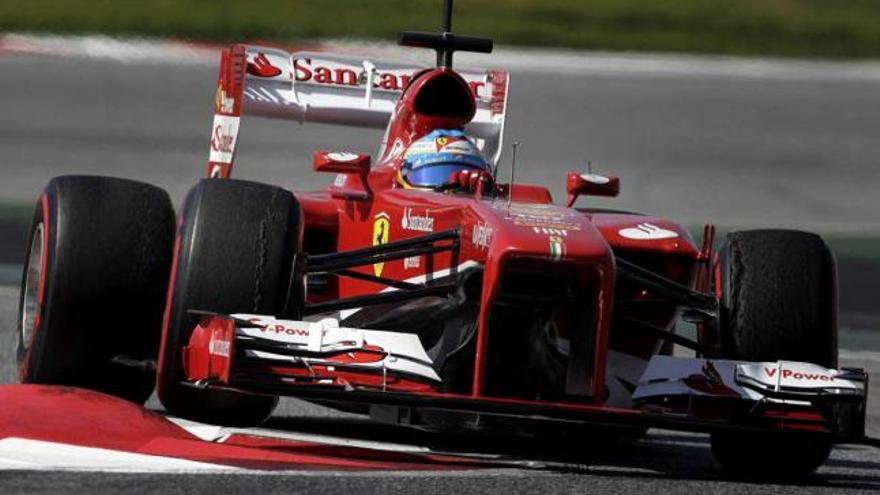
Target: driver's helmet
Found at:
x=432, y=159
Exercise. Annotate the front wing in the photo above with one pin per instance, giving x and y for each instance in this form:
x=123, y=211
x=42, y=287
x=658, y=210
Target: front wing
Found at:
x=320, y=360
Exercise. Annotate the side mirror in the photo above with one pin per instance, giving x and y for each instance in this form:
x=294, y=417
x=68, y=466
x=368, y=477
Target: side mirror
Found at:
x=353, y=168
x=579, y=183
x=342, y=162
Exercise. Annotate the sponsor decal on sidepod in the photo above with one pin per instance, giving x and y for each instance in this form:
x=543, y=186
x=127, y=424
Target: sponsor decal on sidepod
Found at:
x=481, y=236
x=413, y=221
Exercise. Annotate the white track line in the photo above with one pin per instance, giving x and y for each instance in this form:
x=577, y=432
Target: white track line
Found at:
x=125, y=50
x=518, y=60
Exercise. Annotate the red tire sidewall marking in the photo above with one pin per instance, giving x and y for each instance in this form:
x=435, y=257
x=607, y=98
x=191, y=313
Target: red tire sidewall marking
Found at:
x=41, y=287
x=169, y=298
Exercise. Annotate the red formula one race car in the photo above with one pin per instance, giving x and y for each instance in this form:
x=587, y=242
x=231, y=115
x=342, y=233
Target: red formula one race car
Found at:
x=423, y=290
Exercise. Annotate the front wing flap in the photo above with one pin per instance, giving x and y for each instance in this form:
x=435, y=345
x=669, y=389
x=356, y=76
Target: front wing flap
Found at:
x=303, y=352
x=668, y=376
x=782, y=394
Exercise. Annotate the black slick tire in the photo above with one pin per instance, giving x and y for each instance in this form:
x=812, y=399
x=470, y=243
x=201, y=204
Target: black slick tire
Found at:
x=779, y=297
x=235, y=246
x=93, y=285
x=778, y=302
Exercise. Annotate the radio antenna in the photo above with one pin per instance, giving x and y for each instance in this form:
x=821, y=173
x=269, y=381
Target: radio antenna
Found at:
x=512, y=177
x=444, y=53
x=447, y=16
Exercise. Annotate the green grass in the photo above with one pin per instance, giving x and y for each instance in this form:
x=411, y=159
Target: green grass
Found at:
x=865, y=248
x=804, y=28
x=16, y=212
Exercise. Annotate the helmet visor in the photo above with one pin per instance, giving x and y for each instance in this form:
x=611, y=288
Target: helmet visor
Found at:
x=437, y=174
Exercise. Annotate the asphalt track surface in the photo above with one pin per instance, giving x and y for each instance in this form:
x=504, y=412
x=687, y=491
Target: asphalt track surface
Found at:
x=746, y=151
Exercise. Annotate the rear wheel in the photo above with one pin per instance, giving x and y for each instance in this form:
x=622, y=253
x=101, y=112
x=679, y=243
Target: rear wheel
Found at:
x=779, y=302
x=235, y=248
x=90, y=309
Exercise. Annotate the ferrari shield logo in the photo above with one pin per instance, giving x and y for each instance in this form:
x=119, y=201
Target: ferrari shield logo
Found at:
x=381, y=225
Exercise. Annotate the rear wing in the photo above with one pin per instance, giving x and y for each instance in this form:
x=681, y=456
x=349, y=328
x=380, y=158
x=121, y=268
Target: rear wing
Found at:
x=332, y=89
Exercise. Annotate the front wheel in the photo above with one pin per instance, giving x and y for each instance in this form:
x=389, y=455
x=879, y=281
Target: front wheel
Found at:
x=235, y=247
x=778, y=302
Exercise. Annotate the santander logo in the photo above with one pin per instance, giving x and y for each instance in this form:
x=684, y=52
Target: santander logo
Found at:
x=414, y=221
x=305, y=70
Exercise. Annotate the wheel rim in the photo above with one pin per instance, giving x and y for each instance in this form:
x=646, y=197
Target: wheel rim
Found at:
x=33, y=275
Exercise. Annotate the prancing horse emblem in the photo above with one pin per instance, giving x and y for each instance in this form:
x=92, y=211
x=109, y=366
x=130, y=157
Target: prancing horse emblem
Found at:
x=381, y=224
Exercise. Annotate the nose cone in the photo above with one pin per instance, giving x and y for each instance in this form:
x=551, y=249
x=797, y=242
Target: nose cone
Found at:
x=538, y=231
x=550, y=261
